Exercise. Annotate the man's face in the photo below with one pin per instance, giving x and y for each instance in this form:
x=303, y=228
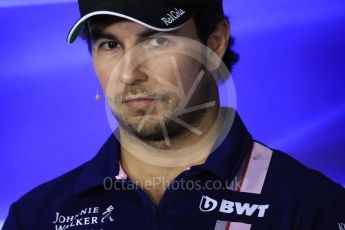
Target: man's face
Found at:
x=146, y=81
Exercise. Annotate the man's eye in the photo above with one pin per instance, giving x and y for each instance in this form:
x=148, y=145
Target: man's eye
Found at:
x=109, y=45
x=158, y=42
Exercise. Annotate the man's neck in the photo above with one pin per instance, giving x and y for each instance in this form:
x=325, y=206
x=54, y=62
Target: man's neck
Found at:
x=153, y=179
x=153, y=168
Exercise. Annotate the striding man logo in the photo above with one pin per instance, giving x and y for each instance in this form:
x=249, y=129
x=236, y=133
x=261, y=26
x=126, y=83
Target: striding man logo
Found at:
x=106, y=215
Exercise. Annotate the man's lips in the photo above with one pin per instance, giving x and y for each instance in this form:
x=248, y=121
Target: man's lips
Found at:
x=138, y=103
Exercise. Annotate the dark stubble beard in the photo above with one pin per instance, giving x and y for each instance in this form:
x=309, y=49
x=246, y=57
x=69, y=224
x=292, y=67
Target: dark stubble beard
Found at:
x=154, y=133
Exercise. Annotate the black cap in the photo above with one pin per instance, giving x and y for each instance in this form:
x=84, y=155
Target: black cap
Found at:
x=159, y=15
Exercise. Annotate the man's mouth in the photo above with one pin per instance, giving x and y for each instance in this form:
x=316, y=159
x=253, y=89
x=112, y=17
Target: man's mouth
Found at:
x=140, y=101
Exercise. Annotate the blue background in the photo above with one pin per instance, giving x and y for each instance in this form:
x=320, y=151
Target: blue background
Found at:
x=290, y=87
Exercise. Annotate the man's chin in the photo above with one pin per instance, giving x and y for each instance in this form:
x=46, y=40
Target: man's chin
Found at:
x=148, y=132
x=149, y=127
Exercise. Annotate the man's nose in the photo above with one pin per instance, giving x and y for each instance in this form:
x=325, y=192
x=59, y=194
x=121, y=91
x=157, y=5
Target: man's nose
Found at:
x=131, y=70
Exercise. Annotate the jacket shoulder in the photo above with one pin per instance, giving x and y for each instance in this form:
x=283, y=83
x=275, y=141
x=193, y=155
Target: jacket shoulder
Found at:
x=293, y=171
x=51, y=191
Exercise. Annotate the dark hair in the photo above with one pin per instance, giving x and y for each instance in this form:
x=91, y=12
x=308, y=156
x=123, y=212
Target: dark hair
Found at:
x=206, y=23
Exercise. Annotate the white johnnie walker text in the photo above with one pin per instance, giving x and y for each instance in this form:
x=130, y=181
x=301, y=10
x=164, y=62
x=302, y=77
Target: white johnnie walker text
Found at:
x=208, y=204
x=87, y=216
x=172, y=16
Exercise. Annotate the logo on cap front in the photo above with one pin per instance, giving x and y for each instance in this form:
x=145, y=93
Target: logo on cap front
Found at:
x=172, y=16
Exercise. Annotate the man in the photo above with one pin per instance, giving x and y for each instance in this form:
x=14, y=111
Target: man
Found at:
x=178, y=160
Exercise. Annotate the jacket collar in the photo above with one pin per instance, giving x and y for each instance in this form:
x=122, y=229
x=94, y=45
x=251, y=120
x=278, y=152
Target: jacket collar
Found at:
x=227, y=159
x=104, y=165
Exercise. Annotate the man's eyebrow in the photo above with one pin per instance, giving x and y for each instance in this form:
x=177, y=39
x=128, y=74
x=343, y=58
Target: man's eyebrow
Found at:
x=149, y=32
x=98, y=33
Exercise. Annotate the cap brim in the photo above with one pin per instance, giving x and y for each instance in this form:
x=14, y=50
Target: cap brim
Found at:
x=74, y=32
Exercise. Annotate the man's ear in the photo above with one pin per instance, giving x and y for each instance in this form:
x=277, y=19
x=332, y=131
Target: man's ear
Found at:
x=218, y=43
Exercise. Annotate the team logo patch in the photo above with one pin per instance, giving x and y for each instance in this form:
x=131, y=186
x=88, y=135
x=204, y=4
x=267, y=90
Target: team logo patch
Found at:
x=207, y=204
x=86, y=217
